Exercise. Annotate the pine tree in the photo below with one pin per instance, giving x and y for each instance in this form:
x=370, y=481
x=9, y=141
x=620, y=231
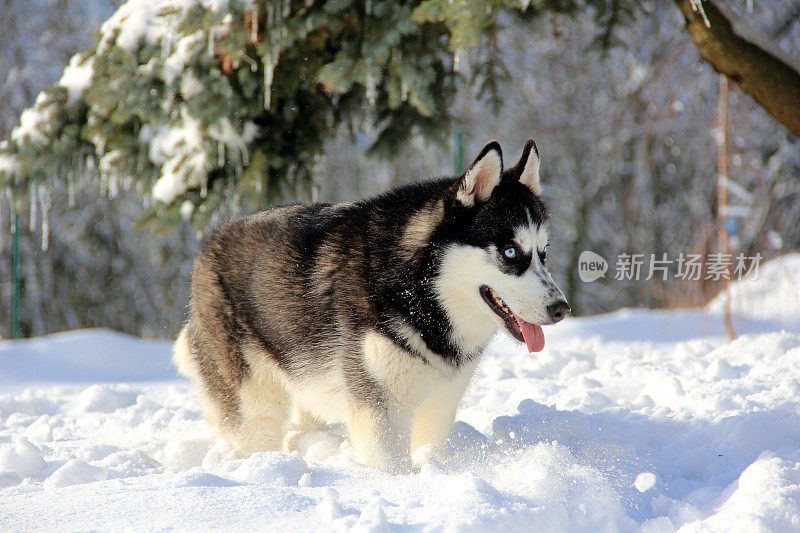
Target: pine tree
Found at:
x=198, y=103
x=593, y=119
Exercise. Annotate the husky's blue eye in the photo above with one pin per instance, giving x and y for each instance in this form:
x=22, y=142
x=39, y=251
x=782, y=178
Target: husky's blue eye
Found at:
x=510, y=252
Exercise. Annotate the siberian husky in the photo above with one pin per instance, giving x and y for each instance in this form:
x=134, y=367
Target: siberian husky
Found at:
x=373, y=314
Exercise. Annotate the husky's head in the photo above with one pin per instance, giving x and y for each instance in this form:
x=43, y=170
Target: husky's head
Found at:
x=493, y=270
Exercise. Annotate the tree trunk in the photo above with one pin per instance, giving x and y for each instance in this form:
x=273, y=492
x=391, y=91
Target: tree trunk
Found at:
x=746, y=57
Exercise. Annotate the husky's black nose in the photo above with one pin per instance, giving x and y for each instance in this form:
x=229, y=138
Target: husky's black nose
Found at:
x=558, y=311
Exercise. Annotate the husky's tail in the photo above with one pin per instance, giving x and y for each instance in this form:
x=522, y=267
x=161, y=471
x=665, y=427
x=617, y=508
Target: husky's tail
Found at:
x=182, y=355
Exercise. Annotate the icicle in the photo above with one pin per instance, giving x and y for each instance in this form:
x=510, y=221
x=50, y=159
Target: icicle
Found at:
x=403, y=84
x=525, y=4
x=372, y=88
x=457, y=61
x=9, y=194
x=2, y=228
x=269, y=72
x=113, y=187
x=254, y=26
x=697, y=7
x=235, y=202
x=33, y=194
x=71, y=190
x=368, y=7
x=212, y=33
x=315, y=171
x=44, y=199
x=204, y=186
x=76, y=175
x=103, y=183
x=166, y=41
x=249, y=60
x=220, y=154
x=165, y=46
x=287, y=8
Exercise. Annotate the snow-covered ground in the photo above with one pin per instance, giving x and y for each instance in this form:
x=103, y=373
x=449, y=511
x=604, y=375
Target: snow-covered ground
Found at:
x=637, y=420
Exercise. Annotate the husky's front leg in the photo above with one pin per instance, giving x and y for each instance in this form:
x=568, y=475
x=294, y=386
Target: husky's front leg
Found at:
x=434, y=418
x=380, y=436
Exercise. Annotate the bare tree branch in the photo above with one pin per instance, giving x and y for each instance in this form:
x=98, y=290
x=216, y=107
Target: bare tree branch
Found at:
x=742, y=54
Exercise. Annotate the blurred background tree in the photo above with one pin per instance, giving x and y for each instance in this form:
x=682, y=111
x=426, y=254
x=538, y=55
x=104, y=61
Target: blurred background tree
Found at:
x=187, y=113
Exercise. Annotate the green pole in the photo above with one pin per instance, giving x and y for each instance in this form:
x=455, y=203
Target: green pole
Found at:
x=459, y=139
x=15, y=282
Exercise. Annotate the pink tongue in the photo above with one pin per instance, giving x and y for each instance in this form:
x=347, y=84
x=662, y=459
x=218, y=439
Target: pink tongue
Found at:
x=532, y=333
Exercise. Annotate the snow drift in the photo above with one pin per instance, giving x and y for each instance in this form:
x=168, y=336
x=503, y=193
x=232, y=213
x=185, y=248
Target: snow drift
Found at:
x=637, y=420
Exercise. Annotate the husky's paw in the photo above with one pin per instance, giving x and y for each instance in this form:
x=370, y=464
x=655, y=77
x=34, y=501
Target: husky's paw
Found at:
x=291, y=440
x=394, y=464
x=423, y=455
x=400, y=467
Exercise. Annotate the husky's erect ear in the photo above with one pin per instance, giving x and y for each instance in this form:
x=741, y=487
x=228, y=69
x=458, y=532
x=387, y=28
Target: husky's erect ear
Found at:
x=528, y=168
x=482, y=176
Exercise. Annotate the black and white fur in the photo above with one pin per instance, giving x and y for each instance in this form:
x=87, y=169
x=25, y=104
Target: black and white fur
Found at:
x=368, y=313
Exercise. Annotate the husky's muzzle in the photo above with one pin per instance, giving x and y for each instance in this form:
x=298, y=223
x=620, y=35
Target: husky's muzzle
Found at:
x=531, y=334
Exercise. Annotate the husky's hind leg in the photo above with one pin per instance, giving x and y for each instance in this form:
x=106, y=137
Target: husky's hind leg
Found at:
x=301, y=423
x=249, y=412
x=195, y=358
x=264, y=412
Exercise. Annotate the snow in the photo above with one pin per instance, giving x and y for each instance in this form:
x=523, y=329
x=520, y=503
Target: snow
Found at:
x=765, y=498
x=181, y=152
x=186, y=209
x=187, y=49
x=9, y=165
x=74, y=472
x=645, y=481
x=21, y=459
x=35, y=121
x=637, y=420
x=226, y=136
x=190, y=85
x=77, y=76
x=772, y=295
x=83, y=357
x=132, y=23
